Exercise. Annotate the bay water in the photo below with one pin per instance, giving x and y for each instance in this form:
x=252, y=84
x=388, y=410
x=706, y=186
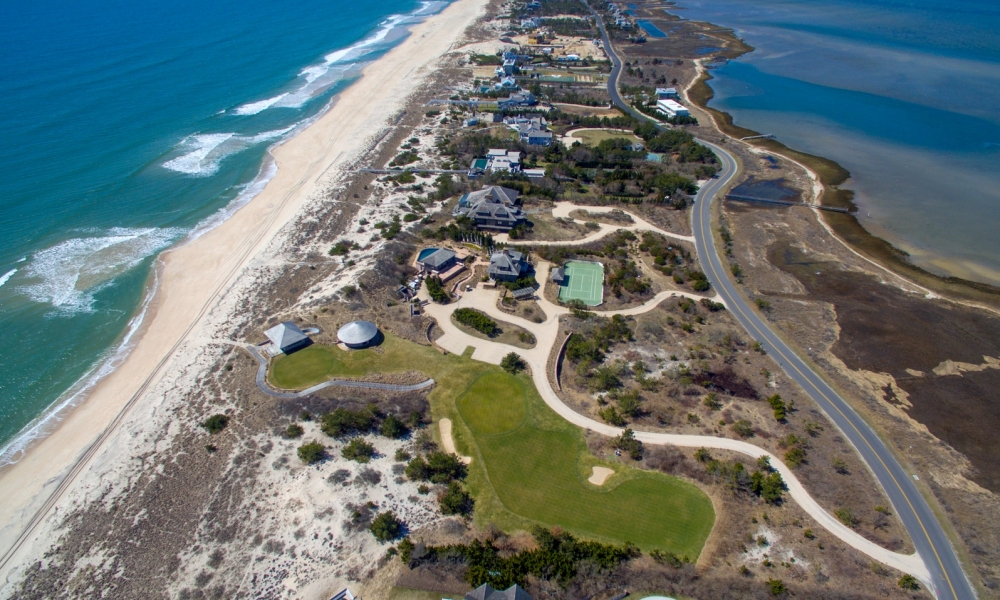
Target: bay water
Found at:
x=902, y=93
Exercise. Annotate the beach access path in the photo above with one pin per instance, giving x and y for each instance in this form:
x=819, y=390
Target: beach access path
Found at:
x=940, y=568
x=547, y=336
x=195, y=281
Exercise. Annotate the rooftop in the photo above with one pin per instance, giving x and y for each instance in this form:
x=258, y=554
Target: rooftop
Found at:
x=357, y=332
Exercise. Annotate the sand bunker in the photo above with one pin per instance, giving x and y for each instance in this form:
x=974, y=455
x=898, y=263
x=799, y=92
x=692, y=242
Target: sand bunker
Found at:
x=448, y=442
x=600, y=475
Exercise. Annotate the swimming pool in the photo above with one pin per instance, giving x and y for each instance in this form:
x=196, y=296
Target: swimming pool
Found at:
x=426, y=252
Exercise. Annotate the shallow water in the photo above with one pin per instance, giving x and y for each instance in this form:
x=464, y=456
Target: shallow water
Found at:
x=902, y=94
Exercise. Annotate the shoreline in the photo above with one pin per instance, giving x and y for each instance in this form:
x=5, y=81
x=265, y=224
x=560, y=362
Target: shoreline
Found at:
x=195, y=276
x=50, y=419
x=845, y=227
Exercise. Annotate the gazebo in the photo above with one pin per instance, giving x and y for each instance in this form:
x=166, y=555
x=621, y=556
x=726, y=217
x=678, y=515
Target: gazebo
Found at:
x=358, y=334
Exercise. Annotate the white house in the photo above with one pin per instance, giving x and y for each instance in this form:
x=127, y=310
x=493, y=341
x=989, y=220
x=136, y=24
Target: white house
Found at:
x=672, y=108
x=667, y=93
x=503, y=160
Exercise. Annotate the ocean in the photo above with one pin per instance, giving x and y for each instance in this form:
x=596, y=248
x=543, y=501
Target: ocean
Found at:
x=902, y=93
x=130, y=127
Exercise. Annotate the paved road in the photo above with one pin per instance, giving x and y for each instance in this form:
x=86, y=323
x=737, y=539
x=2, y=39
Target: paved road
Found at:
x=948, y=580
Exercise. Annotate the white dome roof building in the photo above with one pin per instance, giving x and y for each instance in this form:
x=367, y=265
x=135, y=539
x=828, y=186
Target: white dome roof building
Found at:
x=358, y=334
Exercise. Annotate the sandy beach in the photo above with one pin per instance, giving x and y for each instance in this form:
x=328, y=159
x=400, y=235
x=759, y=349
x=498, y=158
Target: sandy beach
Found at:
x=199, y=285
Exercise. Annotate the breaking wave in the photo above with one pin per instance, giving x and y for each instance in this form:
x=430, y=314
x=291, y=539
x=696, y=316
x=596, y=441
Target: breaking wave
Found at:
x=68, y=274
x=202, y=154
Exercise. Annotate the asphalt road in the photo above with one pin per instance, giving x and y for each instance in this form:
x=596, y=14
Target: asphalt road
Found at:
x=948, y=580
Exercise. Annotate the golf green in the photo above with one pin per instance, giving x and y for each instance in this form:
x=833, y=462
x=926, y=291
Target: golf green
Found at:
x=534, y=466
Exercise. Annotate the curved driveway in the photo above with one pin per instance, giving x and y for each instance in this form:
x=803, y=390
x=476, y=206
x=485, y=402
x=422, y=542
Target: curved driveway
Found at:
x=943, y=572
x=457, y=341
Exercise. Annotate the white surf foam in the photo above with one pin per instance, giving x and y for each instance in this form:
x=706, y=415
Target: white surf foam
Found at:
x=252, y=108
x=68, y=274
x=204, y=153
x=39, y=427
x=6, y=276
x=315, y=79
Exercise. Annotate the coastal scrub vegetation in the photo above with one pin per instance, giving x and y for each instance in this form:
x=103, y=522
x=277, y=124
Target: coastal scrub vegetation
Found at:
x=437, y=467
x=358, y=450
x=386, y=527
x=312, y=452
x=436, y=290
x=343, y=421
x=475, y=319
x=764, y=482
x=215, y=423
x=512, y=363
x=558, y=556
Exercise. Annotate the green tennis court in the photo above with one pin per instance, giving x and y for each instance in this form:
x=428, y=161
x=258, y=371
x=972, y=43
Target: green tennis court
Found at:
x=584, y=282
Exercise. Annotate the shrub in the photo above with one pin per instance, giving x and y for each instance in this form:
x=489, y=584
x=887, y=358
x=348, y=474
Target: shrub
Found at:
x=840, y=466
x=743, y=428
x=477, y=320
x=215, y=423
x=512, y=363
x=386, y=527
x=769, y=486
x=908, y=582
x=312, y=452
x=795, y=457
x=712, y=401
x=402, y=455
x=405, y=548
x=455, y=501
x=776, y=586
x=358, y=450
x=846, y=516
x=436, y=290
x=611, y=416
x=393, y=428
x=438, y=467
x=342, y=421
x=294, y=431
x=779, y=406
x=627, y=442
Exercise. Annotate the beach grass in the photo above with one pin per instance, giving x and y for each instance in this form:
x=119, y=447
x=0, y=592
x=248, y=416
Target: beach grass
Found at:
x=530, y=466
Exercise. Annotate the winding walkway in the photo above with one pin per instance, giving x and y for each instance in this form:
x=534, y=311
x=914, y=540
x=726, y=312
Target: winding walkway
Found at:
x=563, y=209
x=367, y=385
x=546, y=333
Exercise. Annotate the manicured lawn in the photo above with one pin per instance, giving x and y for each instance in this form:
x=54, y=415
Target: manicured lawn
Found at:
x=493, y=404
x=592, y=138
x=535, y=466
x=529, y=465
x=318, y=363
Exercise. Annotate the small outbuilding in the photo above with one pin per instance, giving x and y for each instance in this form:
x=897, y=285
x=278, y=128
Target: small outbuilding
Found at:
x=287, y=337
x=358, y=334
x=558, y=276
x=486, y=592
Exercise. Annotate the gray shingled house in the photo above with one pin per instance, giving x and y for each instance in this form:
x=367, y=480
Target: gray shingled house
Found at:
x=507, y=265
x=486, y=592
x=287, y=337
x=495, y=207
x=439, y=261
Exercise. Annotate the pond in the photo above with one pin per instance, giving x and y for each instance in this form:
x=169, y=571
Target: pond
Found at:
x=651, y=29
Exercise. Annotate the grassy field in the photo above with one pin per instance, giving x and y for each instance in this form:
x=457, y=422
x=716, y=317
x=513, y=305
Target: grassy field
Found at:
x=319, y=363
x=529, y=465
x=596, y=136
x=537, y=465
